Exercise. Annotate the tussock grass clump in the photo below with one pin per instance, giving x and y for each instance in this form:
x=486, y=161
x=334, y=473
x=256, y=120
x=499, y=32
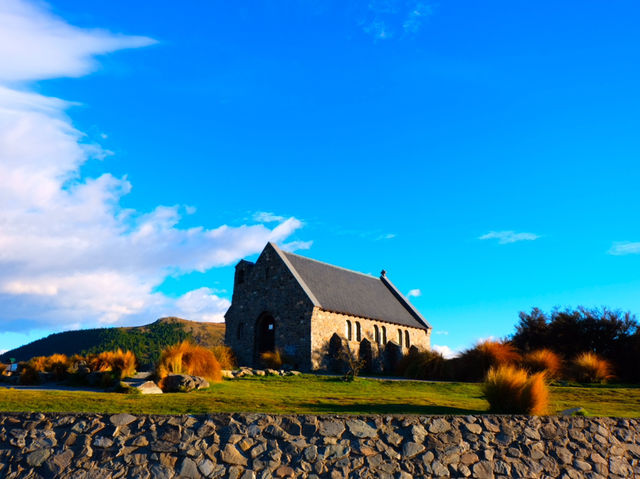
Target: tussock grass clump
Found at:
x=188, y=358
x=543, y=360
x=510, y=390
x=424, y=365
x=473, y=364
x=272, y=359
x=120, y=362
x=56, y=364
x=225, y=356
x=590, y=368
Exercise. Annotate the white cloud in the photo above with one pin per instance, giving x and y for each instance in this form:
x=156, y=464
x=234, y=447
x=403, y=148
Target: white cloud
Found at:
x=267, y=217
x=506, y=237
x=296, y=245
x=202, y=305
x=70, y=255
x=620, y=248
x=446, y=351
x=443, y=333
x=414, y=292
x=34, y=44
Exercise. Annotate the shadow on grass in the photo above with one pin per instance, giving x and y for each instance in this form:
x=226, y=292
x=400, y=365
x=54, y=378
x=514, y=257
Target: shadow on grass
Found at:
x=369, y=408
x=571, y=384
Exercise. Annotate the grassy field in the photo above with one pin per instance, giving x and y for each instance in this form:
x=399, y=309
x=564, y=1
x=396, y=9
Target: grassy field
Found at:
x=317, y=395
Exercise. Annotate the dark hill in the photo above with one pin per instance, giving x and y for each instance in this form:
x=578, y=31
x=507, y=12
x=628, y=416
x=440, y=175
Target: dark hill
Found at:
x=145, y=341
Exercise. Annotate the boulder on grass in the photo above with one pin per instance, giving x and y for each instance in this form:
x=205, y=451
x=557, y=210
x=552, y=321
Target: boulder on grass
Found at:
x=183, y=383
x=148, y=387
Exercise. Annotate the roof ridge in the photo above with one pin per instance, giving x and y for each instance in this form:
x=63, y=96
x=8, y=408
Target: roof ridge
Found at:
x=331, y=265
x=404, y=301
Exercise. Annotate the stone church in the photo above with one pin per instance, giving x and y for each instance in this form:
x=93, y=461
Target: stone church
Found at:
x=299, y=306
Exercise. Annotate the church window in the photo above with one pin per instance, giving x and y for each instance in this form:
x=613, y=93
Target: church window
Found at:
x=348, y=330
x=358, y=332
x=406, y=339
x=400, y=337
x=384, y=335
x=376, y=334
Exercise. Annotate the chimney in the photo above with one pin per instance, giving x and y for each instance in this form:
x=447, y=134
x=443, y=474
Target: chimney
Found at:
x=383, y=274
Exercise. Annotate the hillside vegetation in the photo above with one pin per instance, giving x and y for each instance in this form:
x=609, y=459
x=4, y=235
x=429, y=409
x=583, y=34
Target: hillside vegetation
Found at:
x=146, y=342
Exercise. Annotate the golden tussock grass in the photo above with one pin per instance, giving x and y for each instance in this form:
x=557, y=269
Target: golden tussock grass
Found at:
x=543, y=360
x=118, y=361
x=272, y=359
x=510, y=390
x=225, y=356
x=423, y=365
x=188, y=358
x=474, y=363
x=590, y=368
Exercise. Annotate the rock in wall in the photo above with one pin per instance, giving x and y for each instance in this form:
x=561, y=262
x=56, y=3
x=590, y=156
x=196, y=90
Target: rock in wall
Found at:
x=247, y=446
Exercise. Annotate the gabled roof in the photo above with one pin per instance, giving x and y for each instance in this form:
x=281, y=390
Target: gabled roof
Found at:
x=344, y=291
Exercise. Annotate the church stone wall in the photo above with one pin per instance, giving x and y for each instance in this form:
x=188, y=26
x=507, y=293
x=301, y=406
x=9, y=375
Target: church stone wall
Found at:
x=269, y=287
x=324, y=324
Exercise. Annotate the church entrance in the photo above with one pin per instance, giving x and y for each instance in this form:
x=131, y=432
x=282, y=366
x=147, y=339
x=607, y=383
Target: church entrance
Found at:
x=265, y=335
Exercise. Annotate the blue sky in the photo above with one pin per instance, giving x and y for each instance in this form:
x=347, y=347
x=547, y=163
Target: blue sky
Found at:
x=484, y=154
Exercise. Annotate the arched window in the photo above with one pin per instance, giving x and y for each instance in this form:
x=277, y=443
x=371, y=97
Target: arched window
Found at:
x=406, y=339
x=400, y=337
x=239, y=331
x=358, y=332
x=384, y=335
x=348, y=330
x=376, y=334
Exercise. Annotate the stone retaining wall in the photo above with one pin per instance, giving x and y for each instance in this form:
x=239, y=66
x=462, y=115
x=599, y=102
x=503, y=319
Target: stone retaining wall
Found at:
x=247, y=446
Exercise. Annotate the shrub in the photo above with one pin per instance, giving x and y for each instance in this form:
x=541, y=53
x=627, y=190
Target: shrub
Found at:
x=424, y=365
x=473, y=364
x=225, y=356
x=511, y=390
x=589, y=368
x=58, y=364
x=543, y=360
x=188, y=358
x=38, y=364
x=28, y=374
x=122, y=363
x=272, y=359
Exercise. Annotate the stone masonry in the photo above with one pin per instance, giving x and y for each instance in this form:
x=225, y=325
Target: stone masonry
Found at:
x=258, y=446
x=325, y=324
x=271, y=288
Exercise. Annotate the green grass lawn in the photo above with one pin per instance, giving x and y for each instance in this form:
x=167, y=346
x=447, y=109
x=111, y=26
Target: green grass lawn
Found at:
x=318, y=395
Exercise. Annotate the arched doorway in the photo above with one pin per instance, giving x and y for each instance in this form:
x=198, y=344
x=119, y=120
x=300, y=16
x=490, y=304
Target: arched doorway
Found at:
x=265, y=337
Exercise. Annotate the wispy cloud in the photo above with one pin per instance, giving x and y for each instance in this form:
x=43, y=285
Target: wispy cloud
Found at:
x=70, y=254
x=296, y=245
x=416, y=17
x=386, y=236
x=387, y=19
x=414, y=293
x=441, y=333
x=621, y=248
x=267, y=217
x=506, y=237
x=446, y=351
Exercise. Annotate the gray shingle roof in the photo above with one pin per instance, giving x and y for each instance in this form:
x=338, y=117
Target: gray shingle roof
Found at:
x=344, y=291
